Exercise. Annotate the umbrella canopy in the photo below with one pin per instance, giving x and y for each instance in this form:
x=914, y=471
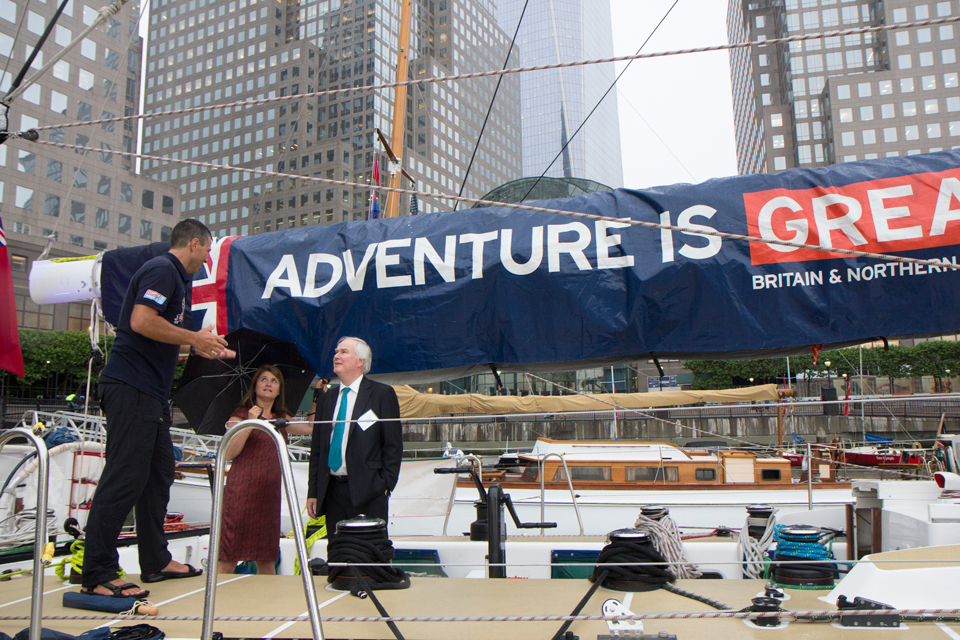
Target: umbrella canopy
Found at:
x=210, y=390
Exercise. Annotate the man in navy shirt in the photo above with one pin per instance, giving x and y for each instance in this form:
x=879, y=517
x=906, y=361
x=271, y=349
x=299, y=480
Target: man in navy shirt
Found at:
x=134, y=390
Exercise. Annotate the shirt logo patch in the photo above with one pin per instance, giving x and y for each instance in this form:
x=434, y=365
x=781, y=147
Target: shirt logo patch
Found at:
x=155, y=296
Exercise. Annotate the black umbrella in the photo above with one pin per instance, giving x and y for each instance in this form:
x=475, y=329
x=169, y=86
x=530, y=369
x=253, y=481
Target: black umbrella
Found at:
x=210, y=390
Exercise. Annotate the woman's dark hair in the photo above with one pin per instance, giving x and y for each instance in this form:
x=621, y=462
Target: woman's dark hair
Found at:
x=250, y=397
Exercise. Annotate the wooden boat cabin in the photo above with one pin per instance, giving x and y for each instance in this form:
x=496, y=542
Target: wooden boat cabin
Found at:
x=632, y=465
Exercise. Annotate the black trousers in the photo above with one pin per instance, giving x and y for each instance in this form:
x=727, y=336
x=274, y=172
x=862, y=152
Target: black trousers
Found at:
x=338, y=506
x=137, y=474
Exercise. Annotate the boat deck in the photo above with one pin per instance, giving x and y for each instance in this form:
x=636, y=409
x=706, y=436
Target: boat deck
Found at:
x=283, y=596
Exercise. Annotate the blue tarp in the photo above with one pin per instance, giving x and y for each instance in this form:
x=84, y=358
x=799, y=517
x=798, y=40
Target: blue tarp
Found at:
x=872, y=437
x=446, y=294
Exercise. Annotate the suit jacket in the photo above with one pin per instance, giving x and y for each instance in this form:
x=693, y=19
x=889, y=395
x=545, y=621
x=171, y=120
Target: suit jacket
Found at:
x=373, y=454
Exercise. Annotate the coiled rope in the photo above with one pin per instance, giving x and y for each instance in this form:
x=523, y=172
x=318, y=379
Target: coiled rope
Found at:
x=802, y=543
x=666, y=539
x=752, y=550
x=617, y=569
x=349, y=549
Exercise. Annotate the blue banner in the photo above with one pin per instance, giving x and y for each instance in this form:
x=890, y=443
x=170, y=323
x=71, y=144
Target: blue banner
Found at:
x=446, y=294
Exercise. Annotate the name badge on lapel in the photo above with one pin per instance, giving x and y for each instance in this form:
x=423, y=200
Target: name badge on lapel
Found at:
x=367, y=420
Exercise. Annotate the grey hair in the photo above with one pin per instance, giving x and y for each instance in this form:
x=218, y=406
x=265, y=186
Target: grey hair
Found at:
x=362, y=350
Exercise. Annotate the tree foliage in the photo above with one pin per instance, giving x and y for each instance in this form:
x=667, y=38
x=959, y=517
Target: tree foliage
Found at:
x=933, y=358
x=56, y=360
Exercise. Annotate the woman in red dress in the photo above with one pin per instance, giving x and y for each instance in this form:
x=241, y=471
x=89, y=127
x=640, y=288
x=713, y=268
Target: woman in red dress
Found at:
x=251, y=501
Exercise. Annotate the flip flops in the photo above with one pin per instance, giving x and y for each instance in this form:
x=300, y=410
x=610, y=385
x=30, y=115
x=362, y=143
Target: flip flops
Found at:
x=115, y=589
x=160, y=576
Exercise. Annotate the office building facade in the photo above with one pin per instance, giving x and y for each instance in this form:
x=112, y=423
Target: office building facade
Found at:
x=556, y=102
x=88, y=201
x=202, y=52
x=842, y=98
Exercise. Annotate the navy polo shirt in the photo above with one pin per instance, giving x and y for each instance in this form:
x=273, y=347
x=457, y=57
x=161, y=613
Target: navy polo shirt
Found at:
x=142, y=363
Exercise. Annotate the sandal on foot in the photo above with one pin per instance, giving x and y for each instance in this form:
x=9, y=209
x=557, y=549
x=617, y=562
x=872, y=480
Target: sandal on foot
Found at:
x=116, y=589
x=159, y=576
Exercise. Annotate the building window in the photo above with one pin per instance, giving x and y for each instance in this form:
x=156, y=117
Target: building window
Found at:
x=54, y=170
x=80, y=178
x=103, y=185
x=167, y=205
x=123, y=224
x=51, y=205
x=24, y=198
x=126, y=192
x=147, y=199
x=146, y=230
x=869, y=136
x=102, y=218
x=77, y=211
x=78, y=316
x=18, y=263
x=76, y=241
x=30, y=315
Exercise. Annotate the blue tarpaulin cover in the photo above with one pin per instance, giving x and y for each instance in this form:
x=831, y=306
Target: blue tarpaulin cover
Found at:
x=447, y=294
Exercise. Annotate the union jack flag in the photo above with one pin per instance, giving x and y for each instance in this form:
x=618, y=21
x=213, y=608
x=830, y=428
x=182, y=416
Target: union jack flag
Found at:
x=210, y=287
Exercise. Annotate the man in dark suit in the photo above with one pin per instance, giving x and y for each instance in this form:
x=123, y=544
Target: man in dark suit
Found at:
x=357, y=442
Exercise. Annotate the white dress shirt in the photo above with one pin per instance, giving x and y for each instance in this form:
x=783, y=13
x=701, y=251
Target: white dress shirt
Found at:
x=351, y=400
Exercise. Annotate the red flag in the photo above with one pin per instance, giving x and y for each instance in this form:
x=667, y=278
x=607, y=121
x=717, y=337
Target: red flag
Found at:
x=11, y=358
x=846, y=405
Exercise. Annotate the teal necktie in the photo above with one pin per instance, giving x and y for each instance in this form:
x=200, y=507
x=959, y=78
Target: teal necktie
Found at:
x=335, y=459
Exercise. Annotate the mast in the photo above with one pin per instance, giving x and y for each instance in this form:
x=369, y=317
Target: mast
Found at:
x=399, y=108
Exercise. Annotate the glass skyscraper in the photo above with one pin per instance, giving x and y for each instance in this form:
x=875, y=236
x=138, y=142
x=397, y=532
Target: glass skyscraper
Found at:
x=555, y=102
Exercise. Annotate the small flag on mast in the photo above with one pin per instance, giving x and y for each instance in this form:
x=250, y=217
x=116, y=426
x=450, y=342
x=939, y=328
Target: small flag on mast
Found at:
x=374, y=206
x=414, y=205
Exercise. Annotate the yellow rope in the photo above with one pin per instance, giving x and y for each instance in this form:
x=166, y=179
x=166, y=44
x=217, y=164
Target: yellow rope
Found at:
x=321, y=522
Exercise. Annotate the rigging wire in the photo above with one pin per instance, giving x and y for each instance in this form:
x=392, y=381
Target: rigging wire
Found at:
x=493, y=99
x=563, y=65
x=599, y=102
x=938, y=264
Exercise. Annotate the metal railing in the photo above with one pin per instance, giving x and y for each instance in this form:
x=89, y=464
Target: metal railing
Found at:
x=286, y=472
x=40, y=537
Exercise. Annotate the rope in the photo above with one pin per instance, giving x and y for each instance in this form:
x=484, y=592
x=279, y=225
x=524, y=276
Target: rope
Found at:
x=612, y=571
x=807, y=546
x=349, y=549
x=753, y=551
x=20, y=529
x=666, y=539
x=496, y=72
x=813, y=615
x=320, y=533
x=710, y=602
x=523, y=207
x=75, y=561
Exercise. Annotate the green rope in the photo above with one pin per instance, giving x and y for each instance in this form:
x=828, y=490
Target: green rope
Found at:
x=75, y=560
x=321, y=522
